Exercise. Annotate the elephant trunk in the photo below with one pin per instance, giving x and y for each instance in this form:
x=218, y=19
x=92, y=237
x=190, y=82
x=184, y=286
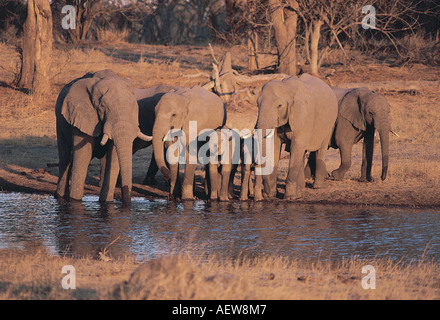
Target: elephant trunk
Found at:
x=384, y=134
x=158, y=149
x=124, y=150
x=266, y=122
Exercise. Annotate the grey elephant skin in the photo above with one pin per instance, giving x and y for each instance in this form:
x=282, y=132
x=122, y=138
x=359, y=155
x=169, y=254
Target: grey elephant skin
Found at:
x=96, y=116
x=361, y=113
x=303, y=110
x=220, y=170
x=147, y=99
x=220, y=175
x=175, y=111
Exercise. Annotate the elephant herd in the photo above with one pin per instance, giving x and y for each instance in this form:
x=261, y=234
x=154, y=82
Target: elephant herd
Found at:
x=102, y=115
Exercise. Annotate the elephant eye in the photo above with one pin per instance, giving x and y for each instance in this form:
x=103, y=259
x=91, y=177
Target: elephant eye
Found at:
x=173, y=115
x=279, y=106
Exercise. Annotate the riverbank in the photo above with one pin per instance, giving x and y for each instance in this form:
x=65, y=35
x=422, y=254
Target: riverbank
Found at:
x=38, y=275
x=32, y=169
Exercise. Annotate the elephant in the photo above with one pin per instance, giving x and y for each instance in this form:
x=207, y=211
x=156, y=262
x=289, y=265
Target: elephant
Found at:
x=176, y=111
x=96, y=116
x=147, y=99
x=361, y=112
x=301, y=111
x=221, y=172
x=223, y=162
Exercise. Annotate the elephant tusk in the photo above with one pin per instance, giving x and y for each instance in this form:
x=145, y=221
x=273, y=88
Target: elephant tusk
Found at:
x=144, y=136
x=104, y=139
x=172, y=134
x=247, y=136
x=394, y=133
x=270, y=134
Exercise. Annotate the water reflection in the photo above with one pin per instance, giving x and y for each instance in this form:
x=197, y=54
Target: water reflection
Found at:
x=150, y=229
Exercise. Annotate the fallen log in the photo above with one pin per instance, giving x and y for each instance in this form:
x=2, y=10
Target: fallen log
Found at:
x=225, y=80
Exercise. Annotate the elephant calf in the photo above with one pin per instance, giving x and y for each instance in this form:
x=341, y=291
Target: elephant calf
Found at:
x=219, y=171
x=361, y=113
x=241, y=151
x=96, y=116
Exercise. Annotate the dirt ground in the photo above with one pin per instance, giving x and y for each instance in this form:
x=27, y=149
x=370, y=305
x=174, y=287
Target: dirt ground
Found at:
x=28, y=154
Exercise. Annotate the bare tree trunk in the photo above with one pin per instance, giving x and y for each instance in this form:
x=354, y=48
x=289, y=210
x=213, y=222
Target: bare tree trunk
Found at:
x=43, y=47
x=252, y=50
x=308, y=31
x=30, y=34
x=284, y=19
x=314, y=42
x=37, y=47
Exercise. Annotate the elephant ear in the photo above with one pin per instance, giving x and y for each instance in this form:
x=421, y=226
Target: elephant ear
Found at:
x=299, y=110
x=351, y=108
x=78, y=110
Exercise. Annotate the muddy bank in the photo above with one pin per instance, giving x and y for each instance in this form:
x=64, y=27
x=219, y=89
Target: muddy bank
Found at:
x=34, y=170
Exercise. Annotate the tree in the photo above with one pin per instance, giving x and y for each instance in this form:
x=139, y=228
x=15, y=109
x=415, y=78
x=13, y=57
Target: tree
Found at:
x=284, y=19
x=87, y=12
x=335, y=19
x=37, y=47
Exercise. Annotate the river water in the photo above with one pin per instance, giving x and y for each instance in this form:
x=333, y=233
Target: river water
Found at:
x=151, y=229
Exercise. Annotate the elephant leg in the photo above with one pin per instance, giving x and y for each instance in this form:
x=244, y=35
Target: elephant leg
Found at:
x=207, y=181
x=188, y=175
x=310, y=168
x=188, y=182
x=82, y=155
x=151, y=173
x=320, y=167
x=345, y=149
x=345, y=137
x=258, y=187
x=102, y=163
x=213, y=180
x=225, y=176
x=367, y=155
x=65, y=162
x=231, y=180
x=245, y=179
x=270, y=182
x=175, y=185
x=175, y=191
x=64, y=144
x=295, y=181
x=111, y=173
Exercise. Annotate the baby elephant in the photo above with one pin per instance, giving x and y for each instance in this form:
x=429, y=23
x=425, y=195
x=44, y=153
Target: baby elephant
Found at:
x=361, y=113
x=219, y=171
x=230, y=149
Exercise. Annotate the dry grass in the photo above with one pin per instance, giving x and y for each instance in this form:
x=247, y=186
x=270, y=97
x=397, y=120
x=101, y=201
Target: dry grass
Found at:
x=38, y=276
x=112, y=36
